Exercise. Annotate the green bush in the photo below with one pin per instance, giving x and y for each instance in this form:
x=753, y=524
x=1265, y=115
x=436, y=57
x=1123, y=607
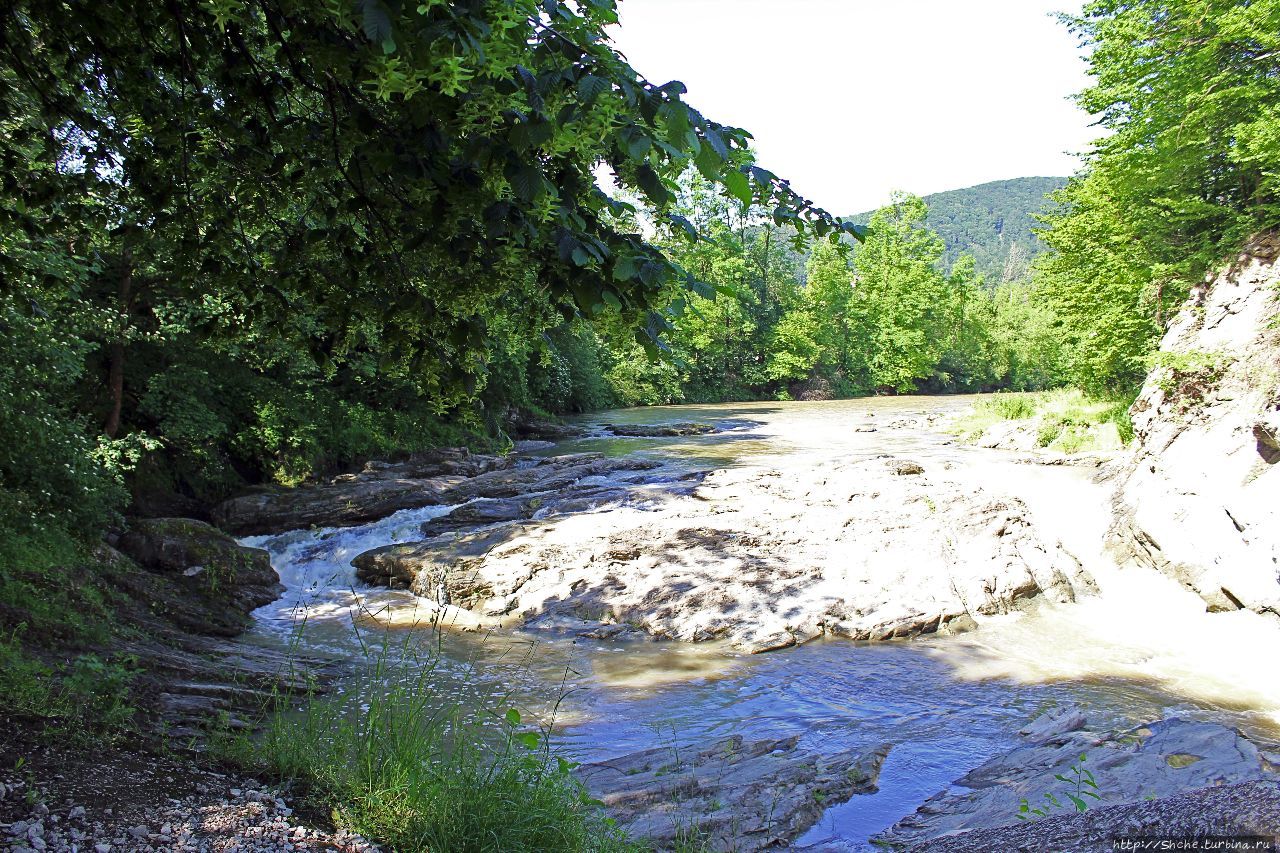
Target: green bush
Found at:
x=1012, y=407
x=88, y=698
x=53, y=475
x=416, y=772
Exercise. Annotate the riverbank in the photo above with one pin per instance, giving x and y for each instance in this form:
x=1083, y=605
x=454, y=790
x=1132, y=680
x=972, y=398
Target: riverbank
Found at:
x=832, y=505
x=623, y=685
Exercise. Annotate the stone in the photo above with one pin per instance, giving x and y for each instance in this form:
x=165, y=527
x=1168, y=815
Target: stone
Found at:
x=762, y=558
x=659, y=430
x=354, y=501
x=1200, y=497
x=1129, y=766
x=734, y=793
x=227, y=570
x=1244, y=809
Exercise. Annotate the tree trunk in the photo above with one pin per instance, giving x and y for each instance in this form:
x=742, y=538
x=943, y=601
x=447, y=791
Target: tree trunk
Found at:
x=115, y=372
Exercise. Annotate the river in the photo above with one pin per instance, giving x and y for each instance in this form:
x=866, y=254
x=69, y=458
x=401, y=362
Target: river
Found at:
x=1141, y=649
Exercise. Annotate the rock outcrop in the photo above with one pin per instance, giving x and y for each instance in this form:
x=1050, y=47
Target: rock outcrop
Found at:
x=1245, y=809
x=445, y=477
x=1200, y=498
x=867, y=549
x=660, y=430
x=1162, y=759
x=732, y=795
x=203, y=560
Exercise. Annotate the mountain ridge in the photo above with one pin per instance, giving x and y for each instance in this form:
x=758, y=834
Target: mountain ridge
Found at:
x=992, y=221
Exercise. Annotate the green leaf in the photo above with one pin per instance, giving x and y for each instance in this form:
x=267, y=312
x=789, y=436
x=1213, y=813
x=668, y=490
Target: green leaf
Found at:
x=708, y=163
x=653, y=186
x=626, y=267
x=513, y=717
x=676, y=118
x=706, y=291
x=738, y=186
x=529, y=740
x=686, y=226
x=527, y=183
x=716, y=141
x=636, y=142
x=590, y=87
x=377, y=22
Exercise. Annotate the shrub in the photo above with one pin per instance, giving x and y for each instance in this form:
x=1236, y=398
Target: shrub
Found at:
x=416, y=772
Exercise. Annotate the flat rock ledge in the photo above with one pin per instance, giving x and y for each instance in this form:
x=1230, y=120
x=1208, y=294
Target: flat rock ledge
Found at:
x=765, y=559
x=732, y=795
x=451, y=476
x=1140, y=767
x=1246, y=809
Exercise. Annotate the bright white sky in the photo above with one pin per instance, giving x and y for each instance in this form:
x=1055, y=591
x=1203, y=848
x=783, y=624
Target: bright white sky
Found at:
x=852, y=99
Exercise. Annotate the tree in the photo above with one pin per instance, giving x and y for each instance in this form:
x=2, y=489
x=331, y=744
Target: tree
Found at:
x=902, y=295
x=285, y=217
x=1188, y=91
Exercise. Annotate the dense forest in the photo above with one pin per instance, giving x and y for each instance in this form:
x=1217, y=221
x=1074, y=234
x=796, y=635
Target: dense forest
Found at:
x=994, y=222
x=248, y=242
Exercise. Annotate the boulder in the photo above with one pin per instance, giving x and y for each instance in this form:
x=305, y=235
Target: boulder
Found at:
x=199, y=555
x=453, y=477
x=733, y=794
x=478, y=514
x=498, y=510
x=530, y=428
x=1245, y=809
x=442, y=569
x=549, y=475
x=342, y=503
x=1200, y=497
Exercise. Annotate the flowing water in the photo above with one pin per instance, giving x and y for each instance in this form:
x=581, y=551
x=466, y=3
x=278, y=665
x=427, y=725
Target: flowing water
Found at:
x=1142, y=649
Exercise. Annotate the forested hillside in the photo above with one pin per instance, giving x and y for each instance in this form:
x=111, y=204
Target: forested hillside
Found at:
x=992, y=222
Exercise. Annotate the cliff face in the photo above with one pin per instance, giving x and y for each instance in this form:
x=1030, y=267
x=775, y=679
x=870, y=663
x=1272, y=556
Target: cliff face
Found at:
x=1200, y=497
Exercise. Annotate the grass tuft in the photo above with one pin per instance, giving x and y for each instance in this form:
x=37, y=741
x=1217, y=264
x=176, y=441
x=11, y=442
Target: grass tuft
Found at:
x=1066, y=420
x=406, y=767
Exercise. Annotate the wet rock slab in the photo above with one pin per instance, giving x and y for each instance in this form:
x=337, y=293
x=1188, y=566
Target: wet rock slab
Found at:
x=1163, y=759
x=660, y=430
x=732, y=795
x=1246, y=809
x=868, y=549
x=452, y=477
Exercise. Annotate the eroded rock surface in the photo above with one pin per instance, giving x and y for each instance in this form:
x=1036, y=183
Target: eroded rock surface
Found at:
x=867, y=549
x=1200, y=499
x=204, y=560
x=732, y=795
x=443, y=477
x=1249, y=809
x=660, y=430
x=1163, y=759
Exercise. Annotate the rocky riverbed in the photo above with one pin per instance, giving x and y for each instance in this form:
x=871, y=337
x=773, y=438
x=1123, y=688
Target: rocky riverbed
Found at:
x=765, y=558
